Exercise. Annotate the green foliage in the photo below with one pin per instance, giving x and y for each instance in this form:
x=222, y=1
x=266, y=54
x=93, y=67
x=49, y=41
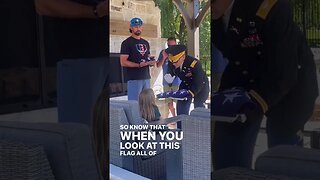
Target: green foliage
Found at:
x=307, y=14
x=172, y=24
x=205, y=41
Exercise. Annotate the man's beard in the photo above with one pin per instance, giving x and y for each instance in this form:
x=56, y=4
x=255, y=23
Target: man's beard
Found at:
x=137, y=33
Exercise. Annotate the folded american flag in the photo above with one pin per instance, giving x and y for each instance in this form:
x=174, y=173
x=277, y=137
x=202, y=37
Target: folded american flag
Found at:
x=181, y=94
x=165, y=94
x=228, y=105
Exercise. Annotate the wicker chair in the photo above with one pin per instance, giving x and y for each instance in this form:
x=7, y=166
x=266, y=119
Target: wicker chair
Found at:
x=284, y=162
x=238, y=173
x=195, y=146
x=201, y=112
x=125, y=113
x=290, y=160
x=22, y=161
x=68, y=147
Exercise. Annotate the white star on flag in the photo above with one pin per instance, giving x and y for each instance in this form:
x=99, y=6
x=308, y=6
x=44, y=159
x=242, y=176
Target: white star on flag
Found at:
x=230, y=97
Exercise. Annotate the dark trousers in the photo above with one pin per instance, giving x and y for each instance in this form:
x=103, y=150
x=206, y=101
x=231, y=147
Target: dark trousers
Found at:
x=233, y=143
x=183, y=107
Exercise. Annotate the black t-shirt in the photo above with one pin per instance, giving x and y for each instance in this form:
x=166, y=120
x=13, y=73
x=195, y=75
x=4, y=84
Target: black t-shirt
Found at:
x=138, y=50
x=75, y=38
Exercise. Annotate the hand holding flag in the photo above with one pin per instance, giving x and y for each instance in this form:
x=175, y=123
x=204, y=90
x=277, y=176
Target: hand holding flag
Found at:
x=229, y=105
x=181, y=94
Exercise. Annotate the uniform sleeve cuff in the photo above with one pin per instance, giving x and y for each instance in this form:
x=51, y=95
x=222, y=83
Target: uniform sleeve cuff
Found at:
x=192, y=94
x=260, y=100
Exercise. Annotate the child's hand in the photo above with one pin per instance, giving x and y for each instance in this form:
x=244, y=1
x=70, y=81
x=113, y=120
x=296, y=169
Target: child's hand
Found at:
x=172, y=125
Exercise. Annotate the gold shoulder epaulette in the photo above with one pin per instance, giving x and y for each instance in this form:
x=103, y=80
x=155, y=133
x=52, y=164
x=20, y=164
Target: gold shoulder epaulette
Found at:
x=265, y=8
x=194, y=62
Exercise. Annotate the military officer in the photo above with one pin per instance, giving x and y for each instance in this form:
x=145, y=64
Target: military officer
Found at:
x=268, y=57
x=193, y=78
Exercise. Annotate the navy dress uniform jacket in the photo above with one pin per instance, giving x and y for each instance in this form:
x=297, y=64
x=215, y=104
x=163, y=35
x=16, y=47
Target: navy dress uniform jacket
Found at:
x=193, y=77
x=267, y=55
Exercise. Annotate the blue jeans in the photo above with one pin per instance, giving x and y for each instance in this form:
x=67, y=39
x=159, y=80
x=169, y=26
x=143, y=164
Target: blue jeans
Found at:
x=135, y=87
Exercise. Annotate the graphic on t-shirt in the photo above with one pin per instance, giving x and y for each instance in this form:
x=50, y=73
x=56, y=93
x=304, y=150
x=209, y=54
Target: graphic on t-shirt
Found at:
x=142, y=48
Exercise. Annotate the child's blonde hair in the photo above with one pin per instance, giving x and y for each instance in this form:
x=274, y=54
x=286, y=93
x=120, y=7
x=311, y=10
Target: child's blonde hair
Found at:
x=146, y=103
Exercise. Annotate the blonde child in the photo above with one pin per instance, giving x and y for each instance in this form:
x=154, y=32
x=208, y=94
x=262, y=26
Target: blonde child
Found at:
x=148, y=108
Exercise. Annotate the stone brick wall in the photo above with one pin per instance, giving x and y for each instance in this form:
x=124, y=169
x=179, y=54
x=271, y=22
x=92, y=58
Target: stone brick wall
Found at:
x=125, y=10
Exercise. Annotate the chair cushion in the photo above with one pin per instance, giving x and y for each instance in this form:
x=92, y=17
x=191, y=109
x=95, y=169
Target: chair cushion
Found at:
x=117, y=117
x=131, y=108
x=68, y=146
x=291, y=161
x=152, y=167
x=200, y=112
x=233, y=173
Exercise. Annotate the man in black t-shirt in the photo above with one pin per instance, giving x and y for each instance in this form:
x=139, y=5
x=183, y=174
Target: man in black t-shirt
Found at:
x=135, y=56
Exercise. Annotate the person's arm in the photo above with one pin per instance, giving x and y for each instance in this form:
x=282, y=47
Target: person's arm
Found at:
x=70, y=9
x=126, y=63
x=162, y=57
x=197, y=79
x=152, y=62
